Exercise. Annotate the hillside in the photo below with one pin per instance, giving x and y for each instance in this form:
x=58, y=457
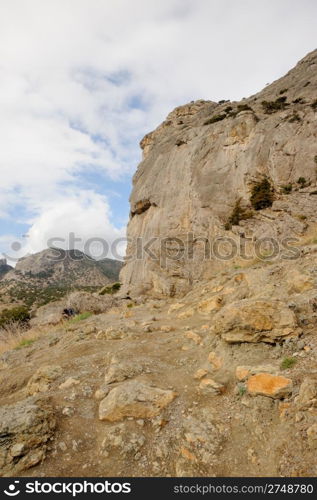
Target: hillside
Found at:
x=210, y=368
x=49, y=275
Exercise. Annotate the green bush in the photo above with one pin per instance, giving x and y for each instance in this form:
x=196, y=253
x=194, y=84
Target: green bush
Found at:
x=287, y=189
x=214, y=119
x=19, y=314
x=283, y=91
x=262, y=194
x=270, y=107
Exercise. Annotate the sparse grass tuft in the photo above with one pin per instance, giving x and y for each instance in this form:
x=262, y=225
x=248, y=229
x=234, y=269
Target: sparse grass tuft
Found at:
x=24, y=343
x=288, y=363
x=242, y=390
x=80, y=317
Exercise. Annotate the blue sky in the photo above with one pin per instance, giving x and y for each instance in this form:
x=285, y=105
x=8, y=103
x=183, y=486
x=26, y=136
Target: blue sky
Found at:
x=83, y=80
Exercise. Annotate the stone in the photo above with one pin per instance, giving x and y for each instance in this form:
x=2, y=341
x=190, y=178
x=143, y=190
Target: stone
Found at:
x=307, y=395
x=209, y=305
x=195, y=337
x=134, y=399
x=70, y=382
x=200, y=373
x=243, y=372
x=121, y=370
x=42, y=378
x=215, y=361
x=252, y=320
x=25, y=429
x=210, y=386
x=102, y=392
x=312, y=436
x=265, y=384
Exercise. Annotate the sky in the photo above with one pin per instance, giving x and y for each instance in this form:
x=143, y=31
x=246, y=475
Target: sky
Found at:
x=82, y=81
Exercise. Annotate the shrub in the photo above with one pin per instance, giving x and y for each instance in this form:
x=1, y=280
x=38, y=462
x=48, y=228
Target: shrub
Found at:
x=283, y=91
x=299, y=100
x=244, y=107
x=238, y=213
x=228, y=109
x=287, y=189
x=215, y=118
x=111, y=289
x=295, y=118
x=315, y=159
x=314, y=105
x=288, y=363
x=302, y=181
x=262, y=194
x=270, y=107
x=19, y=314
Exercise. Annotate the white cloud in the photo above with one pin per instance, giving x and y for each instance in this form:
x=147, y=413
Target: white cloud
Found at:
x=72, y=69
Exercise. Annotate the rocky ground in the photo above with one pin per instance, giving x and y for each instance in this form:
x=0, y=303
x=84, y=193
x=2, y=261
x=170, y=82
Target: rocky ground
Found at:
x=213, y=384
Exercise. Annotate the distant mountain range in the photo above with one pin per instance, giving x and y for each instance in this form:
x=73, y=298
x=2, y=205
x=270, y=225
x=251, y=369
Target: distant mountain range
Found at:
x=48, y=275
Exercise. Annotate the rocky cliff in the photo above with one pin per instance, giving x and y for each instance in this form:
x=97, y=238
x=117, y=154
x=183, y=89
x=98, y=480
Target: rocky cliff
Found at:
x=202, y=160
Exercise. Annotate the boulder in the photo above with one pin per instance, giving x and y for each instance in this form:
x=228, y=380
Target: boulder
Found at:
x=273, y=386
x=134, y=399
x=252, y=320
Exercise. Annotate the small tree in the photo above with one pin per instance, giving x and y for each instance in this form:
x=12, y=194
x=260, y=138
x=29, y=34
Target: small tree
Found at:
x=262, y=194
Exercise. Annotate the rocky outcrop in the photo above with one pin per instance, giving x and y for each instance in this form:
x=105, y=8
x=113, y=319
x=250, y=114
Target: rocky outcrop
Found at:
x=25, y=429
x=255, y=320
x=205, y=157
x=134, y=399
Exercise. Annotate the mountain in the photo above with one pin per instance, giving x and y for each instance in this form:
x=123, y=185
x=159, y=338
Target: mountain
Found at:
x=4, y=268
x=50, y=274
x=204, y=159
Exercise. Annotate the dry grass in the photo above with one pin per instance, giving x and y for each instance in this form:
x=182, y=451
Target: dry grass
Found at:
x=18, y=336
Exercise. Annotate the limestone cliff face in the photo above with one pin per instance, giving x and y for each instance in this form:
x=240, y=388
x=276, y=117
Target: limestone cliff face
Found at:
x=202, y=159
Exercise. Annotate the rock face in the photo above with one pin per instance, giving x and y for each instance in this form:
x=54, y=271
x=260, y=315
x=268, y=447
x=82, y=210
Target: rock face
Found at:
x=201, y=160
x=25, y=429
x=134, y=399
x=254, y=320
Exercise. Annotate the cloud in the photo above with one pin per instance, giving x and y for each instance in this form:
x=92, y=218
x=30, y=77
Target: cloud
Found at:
x=81, y=221
x=82, y=81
